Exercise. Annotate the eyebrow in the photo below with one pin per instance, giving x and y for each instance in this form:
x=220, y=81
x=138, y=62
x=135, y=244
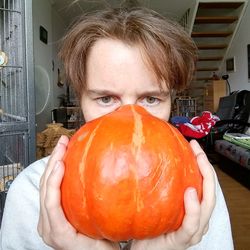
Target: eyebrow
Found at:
x=100, y=92
x=160, y=93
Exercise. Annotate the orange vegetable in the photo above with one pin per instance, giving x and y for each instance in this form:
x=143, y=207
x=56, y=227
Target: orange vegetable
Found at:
x=125, y=176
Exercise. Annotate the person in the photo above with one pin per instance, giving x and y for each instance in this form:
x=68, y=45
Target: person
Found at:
x=112, y=58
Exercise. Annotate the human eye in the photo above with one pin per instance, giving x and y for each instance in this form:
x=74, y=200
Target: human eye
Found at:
x=106, y=100
x=150, y=101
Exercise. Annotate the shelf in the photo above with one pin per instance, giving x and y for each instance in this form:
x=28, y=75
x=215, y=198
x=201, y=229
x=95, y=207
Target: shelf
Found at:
x=220, y=5
x=211, y=46
x=212, y=34
x=203, y=78
x=70, y=117
x=210, y=58
x=185, y=106
x=207, y=69
x=215, y=19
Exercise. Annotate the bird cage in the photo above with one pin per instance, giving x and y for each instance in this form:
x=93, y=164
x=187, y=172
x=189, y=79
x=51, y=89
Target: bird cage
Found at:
x=17, y=123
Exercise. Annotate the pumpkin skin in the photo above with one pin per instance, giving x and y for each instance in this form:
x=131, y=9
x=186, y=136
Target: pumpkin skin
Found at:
x=125, y=176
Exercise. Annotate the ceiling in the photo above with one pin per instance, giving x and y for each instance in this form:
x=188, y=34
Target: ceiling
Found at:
x=69, y=10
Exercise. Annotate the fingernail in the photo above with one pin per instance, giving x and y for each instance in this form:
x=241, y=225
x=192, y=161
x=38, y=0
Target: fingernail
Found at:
x=192, y=193
x=60, y=140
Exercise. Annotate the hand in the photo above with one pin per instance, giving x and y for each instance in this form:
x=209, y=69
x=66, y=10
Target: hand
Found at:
x=197, y=215
x=53, y=227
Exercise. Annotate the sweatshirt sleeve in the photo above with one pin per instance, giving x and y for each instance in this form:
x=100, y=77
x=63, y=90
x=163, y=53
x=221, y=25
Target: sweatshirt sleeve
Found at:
x=219, y=235
x=21, y=211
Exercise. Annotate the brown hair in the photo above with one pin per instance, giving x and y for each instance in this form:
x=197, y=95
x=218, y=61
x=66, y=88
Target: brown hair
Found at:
x=167, y=48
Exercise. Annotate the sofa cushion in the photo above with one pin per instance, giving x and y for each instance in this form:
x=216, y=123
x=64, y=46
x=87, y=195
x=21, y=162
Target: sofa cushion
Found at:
x=234, y=152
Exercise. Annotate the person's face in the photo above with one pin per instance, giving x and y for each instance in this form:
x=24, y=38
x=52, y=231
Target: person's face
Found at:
x=117, y=75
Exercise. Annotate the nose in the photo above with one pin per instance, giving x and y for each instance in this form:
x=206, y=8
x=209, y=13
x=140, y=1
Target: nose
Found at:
x=128, y=101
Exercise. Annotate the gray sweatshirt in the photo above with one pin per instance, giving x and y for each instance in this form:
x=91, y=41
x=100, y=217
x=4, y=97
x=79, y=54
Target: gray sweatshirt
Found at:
x=21, y=212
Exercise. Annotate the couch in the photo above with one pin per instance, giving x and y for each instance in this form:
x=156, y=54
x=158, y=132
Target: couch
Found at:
x=234, y=152
x=233, y=144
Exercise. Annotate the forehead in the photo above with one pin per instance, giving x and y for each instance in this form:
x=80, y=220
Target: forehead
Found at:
x=117, y=51
x=113, y=62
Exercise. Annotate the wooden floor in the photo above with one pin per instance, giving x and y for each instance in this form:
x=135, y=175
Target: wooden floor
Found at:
x=238, y=201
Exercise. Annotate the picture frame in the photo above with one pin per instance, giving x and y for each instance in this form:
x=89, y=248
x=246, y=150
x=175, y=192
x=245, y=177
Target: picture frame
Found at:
x=43, y=35
x=230, y=64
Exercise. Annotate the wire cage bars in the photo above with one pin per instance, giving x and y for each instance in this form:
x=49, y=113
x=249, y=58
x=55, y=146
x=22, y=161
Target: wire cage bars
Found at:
x=12, y=84
x=16, y=136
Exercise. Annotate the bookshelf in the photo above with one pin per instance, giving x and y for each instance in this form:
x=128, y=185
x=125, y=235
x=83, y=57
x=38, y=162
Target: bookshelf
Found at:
x=185, y=106
x=70, y=117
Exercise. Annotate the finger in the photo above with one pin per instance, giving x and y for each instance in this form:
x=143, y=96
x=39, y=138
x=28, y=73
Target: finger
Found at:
x=191, y=221
x=208, y=199
x=205, y=229
x=63, y=140
x=55, y=213
x=43, y=222
x=56, y=155
x=196, y=147
x=207, y=173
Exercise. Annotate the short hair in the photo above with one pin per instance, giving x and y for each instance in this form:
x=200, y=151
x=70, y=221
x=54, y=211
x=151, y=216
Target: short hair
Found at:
x=168, y=49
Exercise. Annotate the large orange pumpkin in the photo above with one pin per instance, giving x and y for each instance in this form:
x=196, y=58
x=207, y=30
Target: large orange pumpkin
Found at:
x=125, y=176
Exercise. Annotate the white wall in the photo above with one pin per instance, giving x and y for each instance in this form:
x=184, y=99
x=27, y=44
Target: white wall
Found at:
x=45, y=77
x=58, y=29
x=239, y=79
